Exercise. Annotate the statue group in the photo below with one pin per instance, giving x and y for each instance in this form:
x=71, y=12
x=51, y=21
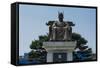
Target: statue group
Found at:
x=60, y=30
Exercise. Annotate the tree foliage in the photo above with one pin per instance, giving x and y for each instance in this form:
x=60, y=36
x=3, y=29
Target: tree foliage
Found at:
x=37, y=44
x=79, y=39
x=33, y=54
x=76, y=36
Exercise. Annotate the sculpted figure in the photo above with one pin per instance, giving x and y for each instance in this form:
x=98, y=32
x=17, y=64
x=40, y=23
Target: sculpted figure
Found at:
x=60, y=30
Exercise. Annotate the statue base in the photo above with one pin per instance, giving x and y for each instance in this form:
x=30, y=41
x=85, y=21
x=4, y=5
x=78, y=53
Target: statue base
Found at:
x=59, y=51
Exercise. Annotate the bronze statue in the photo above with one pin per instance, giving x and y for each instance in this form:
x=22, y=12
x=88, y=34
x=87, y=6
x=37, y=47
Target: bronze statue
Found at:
x=60, y=30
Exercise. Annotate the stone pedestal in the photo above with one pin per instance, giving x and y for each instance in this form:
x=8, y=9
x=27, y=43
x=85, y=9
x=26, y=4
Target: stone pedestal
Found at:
x=49, y=59
x=59, y=51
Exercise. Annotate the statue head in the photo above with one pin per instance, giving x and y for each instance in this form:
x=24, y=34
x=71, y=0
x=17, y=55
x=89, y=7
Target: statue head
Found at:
x=60, y=16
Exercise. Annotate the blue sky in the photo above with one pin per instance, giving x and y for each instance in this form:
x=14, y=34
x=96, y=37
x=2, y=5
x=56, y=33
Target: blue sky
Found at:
x=32, y=21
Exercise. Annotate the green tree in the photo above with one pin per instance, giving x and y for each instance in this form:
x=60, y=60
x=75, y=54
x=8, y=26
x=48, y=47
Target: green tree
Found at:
x=85, y=53
x=37, y=44
x=79, y=39
x=33, y=54
x=76, y=36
